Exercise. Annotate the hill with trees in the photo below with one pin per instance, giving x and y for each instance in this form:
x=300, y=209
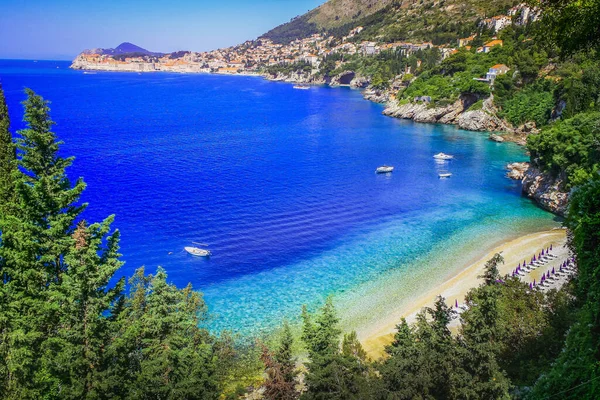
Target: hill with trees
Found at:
x=439, y=21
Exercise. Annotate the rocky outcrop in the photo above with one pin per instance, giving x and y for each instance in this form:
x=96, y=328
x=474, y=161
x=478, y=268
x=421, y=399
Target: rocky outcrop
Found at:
x=517, y=170
x=421, y=112
x=484, y=119
x=548, y=192
x=458, y=113
x=360, y=82
x=298, y=77
x=496, y=138
x=376, y=95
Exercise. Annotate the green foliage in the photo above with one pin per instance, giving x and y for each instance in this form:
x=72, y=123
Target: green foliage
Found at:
x=575, y=373
x=332, y=374
x=569, y=147
x=8, y=157
x=572, y=25
x=578, y=86
x=297, y=28
x=65, y=333
x=530, y=104
x=426, y=361
x=280, y=369
x=288, y=68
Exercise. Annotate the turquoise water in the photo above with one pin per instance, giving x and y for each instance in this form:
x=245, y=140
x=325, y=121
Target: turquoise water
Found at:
x=280, y=183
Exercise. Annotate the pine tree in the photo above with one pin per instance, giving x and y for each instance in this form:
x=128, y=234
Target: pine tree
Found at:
x=491, y=274
x=36, y=236
x=75, y=352
x=330, y=375
x=8, y=158
x=280, y=368
x=159, y=349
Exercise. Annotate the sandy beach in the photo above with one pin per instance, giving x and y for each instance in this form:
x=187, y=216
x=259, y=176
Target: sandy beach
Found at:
x=514, y=251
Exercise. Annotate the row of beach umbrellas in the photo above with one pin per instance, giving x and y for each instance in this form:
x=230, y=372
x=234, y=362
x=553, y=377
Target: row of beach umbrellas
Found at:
x=541, y=258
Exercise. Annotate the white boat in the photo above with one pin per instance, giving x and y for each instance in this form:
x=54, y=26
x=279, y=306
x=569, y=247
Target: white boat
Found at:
x=444, y=174
x=301, y=87
x=198, y=252
x=443, y=156
x=384, y=169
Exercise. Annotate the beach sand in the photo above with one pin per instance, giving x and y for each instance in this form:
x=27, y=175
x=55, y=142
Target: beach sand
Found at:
x=380, y=334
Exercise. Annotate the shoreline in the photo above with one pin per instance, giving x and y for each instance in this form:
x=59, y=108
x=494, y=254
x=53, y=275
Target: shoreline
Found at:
x=377, y=336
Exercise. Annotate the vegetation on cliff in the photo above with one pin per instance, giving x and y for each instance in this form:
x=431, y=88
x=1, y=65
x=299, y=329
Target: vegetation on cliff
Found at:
x=392, y=20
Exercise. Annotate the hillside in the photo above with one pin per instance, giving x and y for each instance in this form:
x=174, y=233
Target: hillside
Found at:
x=440, y=21
x=123, y=48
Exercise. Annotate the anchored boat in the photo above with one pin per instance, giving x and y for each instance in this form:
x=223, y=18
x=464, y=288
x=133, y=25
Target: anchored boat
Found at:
x=384, y=169
x=301, y=87
x=443, y=156
x=196, y=251
x=444, y=174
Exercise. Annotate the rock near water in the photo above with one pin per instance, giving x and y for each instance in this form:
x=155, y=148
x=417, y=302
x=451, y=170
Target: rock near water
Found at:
x=546, y=190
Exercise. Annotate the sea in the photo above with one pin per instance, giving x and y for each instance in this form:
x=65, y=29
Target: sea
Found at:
x=280, y=186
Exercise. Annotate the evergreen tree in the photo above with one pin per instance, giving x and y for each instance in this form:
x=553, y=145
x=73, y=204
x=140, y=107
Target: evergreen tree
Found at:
x=576, y=372
x=8, y=158
x=330, y=375
x=75, y=352
x=280, y=369
x=36, y=236
x=159, y=351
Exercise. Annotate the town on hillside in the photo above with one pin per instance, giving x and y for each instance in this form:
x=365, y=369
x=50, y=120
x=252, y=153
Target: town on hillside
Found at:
x=257, y=56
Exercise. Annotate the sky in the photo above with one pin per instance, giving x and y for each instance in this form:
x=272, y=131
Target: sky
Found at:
x=60, y=29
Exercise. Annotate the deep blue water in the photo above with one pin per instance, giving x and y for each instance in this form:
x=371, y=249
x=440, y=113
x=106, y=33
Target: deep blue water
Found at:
x=279, y=182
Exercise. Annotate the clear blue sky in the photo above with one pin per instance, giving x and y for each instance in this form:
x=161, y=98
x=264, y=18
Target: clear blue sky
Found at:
x=60, y=29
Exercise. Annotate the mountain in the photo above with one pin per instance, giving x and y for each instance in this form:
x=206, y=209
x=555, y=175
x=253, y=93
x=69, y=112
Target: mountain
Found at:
x=439, y=21
x=123, y=48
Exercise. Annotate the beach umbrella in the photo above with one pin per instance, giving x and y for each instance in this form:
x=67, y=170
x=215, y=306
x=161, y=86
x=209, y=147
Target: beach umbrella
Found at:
x=456, y=303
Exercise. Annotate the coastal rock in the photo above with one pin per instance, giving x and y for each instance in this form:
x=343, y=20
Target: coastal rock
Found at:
x=517, y=170
x=298, y=77
x=484, y=119
x=376, y=95
x=458, y=113
x=527, y=128
x=496, y=138
x=343, y=79
x=546, y=190
x=419, y=112
x=360, y=82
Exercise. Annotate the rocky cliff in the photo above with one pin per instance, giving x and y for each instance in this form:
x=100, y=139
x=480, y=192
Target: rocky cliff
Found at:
x=458, y=113
x=547, y=191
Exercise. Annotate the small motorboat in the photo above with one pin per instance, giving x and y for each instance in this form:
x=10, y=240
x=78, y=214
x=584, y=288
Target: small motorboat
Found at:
x=443, y=156
x=444, y=175
x=384, y=169
x=196, y=251
x=301, y=87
